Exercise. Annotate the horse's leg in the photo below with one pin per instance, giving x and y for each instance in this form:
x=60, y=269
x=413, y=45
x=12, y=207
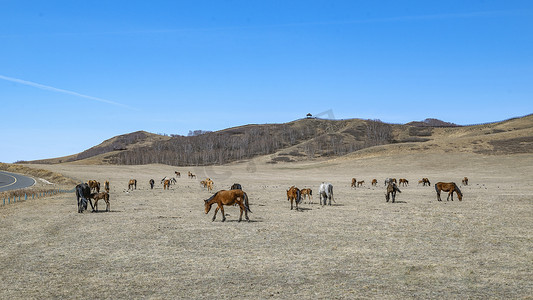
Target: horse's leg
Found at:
x=215, y=215
x=393, y=196
x=222, y=211
x=438, y=196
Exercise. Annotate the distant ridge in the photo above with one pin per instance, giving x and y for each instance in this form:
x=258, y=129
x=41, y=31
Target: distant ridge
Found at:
x=308, y=139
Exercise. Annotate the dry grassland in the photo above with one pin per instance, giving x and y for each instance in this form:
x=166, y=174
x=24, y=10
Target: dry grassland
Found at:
x=159, y=244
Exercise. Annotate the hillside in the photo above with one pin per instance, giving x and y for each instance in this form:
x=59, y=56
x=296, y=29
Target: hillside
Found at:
x=310, y=139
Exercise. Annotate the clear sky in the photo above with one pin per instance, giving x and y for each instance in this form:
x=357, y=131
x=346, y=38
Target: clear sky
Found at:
x=75, y=73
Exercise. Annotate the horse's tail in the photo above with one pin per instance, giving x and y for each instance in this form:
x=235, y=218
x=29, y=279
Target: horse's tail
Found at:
x=298, y=196
x=246, y=205
x=436, y=188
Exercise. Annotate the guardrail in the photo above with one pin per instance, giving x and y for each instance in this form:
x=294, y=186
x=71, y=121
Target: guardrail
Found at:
x=17, y=196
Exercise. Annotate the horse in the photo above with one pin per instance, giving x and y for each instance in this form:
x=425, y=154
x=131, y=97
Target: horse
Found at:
x=307, y=193
x=449, y=187
x=236, y=186
x=374, y=182
x=106, y=186
x=354, y=181
x=392, y=188
x=166, y=184
x=98, y=196
x=178, y=174
x=209, y=184
x=83, y=195
x=231, y=197
x=424, y=181
x=403, y=181
x=132, y=183
x=389, y=180
x=326, y=192
x=191, y=175
x=294, y=195
x=152, y=182
x=360, y=183
x=465, y=181
x=94, y=185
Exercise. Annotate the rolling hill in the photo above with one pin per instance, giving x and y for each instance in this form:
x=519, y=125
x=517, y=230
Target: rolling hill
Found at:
x=306, y=139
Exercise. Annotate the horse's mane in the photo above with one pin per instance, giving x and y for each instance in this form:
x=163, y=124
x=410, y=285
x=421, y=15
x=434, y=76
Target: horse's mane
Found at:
x=211, y=198
x=457, y=189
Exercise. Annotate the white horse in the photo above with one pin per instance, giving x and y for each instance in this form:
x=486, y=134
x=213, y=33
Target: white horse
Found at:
x=326, y=192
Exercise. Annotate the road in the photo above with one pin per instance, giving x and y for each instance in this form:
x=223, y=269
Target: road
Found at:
x=11, y=181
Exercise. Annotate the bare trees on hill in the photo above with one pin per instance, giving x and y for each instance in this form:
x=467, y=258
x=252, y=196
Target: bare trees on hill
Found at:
x=314, y=137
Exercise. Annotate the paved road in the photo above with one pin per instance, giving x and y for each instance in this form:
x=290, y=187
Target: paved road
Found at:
x=10, y=181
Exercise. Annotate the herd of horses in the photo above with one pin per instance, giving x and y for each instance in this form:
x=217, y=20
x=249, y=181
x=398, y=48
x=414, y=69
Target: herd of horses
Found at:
x=237, y=197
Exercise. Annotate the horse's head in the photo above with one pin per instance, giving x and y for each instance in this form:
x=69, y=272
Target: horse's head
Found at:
x=207, y=206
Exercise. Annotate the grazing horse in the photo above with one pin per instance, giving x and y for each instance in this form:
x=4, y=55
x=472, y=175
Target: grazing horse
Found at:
x=83, y=195
x=94, y=185
x=392, y=188
x=360, y=183
x=152, y=182
x=132, y=183
x=465, y=181
x=403, y=181
x=178, y=174
x=389, y=180
x=166, y=184
x=236, y=186
x=106, y=186
x=231, y=197
x=449, y=187
x=307, y=193
x=98, y=196
x=374, y=182
x=354, y=182
x=426, y=181
x=326, y=192
x=294, y=195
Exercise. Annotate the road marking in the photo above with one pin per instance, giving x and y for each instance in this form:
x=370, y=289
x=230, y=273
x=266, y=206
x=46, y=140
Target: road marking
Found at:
x=10, y=183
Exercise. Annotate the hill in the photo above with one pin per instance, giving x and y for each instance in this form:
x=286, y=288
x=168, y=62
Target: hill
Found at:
x=309, y=139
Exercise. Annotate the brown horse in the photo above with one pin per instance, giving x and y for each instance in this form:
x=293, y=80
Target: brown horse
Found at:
x=152, y=182
x=360, y=183
x=132, y=183
x=354, y=181
x=178, y=174
x=307, y=193
x=374, y=182
x=465, y=181
x=449, y=187
x=166, y=184
x=424, y=181
x=403, y=181
x=392, y=188
x=98, y=196
x=230, y=197
x=94, y=185
x=294, y=195
x=106, y=186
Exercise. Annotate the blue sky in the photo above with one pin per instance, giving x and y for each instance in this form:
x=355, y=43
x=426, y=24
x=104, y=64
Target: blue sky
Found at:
x=74, y=73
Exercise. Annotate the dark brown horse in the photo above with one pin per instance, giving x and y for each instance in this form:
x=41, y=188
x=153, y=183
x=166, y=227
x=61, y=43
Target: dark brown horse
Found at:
x=178, y=174
x=294, y=195
x=392, y=188
x=230, y=197
x=100, y=196
x=152, y=182
x=106, y=186
x=374, y=182
x=465, y=181
x=360, y=183
x=132, y=183
x=449, y=187
x=354, y=182
x=236, y=186
x=424, y=181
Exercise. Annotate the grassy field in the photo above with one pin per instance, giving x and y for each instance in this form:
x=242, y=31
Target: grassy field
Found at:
x=160, y=244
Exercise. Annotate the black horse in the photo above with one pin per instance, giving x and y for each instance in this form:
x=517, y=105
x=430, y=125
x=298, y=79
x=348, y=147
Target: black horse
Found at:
x=152, y=184
x=236, y=186
x=83, y=194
